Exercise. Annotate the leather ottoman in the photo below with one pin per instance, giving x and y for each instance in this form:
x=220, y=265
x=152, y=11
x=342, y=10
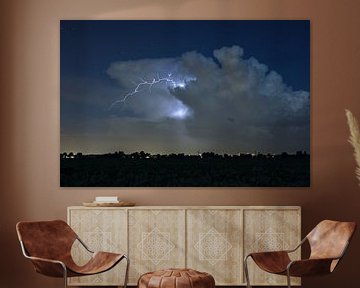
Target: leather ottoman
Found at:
x=176, y=278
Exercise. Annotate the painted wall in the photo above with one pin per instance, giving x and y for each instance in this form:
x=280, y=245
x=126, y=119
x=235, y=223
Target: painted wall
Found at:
x=29, y=119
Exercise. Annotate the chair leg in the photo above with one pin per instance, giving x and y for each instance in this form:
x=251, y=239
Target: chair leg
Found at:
x=288, y=278
x=65, y=276
x=126, y=271
x=246, y=270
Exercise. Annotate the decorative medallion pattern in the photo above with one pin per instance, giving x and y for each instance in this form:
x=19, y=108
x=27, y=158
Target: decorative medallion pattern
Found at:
x=214, y=241
x=269, y=241
x=99, y=240
x=155, y=246
x=213, y=246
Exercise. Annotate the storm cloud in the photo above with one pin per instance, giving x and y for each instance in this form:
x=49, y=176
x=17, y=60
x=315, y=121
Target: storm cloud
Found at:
x=224, y=103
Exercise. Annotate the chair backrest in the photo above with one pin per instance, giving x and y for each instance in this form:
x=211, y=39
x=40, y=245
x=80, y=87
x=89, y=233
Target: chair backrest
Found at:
x=329, y=239
x=46, y=239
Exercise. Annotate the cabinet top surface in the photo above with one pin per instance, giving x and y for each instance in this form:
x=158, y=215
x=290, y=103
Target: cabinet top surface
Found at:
x=192, y=207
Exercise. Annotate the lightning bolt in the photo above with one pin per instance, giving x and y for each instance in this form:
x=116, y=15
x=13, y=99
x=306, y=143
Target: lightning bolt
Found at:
x=145, y=83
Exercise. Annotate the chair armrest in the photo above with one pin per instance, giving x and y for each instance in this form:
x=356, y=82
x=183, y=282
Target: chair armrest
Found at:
x=46, y=260
x=309, y=267
x=280, y=251
x=83, y=244
x=48, y=267
x=298, y=246
x=268, y=254
x=271, y=261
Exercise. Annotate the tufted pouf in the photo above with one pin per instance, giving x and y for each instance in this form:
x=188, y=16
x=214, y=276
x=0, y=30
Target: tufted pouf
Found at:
x=176, y=278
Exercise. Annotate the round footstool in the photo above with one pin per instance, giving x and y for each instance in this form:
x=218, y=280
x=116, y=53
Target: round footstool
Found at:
x=176, y=278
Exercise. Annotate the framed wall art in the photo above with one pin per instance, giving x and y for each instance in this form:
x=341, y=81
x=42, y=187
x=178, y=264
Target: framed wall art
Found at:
x=148, y=103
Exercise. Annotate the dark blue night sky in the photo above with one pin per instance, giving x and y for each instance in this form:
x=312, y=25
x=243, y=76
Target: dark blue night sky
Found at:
x=255, y=87
x=88, y=47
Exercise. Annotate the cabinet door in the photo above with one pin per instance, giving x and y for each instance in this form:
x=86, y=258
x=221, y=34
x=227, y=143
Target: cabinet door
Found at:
x=100, y=230
x=214, y=244
x=156, y=240
x=270, y=230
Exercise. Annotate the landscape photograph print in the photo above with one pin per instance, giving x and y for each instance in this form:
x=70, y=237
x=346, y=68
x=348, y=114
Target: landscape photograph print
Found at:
x=184, y=103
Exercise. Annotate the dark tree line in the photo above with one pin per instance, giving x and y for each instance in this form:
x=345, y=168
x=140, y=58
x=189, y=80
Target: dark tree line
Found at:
x=208, y=169
x=205, y=155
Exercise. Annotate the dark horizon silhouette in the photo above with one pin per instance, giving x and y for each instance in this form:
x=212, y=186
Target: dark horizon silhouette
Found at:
x=208, y=169
x=143, y=154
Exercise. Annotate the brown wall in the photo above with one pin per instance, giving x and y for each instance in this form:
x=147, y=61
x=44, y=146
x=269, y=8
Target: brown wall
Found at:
x=29, y=118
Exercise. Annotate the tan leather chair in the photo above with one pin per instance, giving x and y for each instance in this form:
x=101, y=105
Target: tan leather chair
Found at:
x=328, y=242
x=48, y=245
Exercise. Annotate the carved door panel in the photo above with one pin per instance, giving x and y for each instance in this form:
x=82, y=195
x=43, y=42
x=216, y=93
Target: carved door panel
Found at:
x=269, y=230
x=214, y=244
x=101, y=230
x=156, y=240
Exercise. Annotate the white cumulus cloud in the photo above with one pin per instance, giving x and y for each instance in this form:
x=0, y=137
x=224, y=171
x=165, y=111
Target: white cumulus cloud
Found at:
x=225, y=103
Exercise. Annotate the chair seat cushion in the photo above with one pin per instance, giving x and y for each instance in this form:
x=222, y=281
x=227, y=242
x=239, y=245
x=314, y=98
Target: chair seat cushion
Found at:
x=272, y=262
x=99, y=262
x=176, y=278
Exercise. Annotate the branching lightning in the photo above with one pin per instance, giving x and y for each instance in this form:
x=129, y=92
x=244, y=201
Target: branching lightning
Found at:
x=144, y=83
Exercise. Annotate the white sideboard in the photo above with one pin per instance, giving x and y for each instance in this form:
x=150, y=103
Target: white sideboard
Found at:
x=213, y=239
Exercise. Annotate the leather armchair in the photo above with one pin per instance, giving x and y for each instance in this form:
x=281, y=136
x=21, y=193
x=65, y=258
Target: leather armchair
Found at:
x=328, y=242
x=48, y=245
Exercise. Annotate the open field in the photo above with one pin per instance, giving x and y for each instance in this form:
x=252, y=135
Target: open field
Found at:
x=185, y=171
